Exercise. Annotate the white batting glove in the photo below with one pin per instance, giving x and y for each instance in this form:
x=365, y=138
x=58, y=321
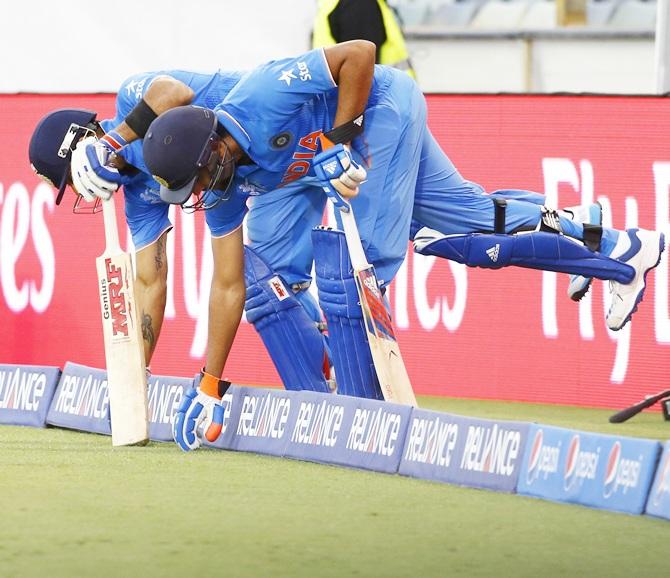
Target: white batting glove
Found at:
x=338, y=173
x=87, y=163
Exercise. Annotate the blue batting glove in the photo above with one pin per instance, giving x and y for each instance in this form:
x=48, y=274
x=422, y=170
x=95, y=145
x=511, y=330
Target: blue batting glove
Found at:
x=338, y=174
x=92, y=174
x=200, y=415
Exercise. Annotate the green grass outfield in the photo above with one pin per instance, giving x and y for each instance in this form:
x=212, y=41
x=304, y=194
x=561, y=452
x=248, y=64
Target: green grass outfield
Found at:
x=70, y=505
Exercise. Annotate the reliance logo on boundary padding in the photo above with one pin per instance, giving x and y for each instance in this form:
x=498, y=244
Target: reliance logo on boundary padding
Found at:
x=26, y=392
x=461, y=450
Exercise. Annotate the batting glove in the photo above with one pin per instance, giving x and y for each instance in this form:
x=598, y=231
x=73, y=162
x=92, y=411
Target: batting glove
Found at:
x=92, y=176
x=339, y=175
x=201, y=413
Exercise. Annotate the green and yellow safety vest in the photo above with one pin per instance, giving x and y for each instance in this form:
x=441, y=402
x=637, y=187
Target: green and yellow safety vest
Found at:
x=393, y=52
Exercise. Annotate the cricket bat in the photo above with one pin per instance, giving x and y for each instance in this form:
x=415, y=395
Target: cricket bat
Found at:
x=124, y=354
x=391, y=372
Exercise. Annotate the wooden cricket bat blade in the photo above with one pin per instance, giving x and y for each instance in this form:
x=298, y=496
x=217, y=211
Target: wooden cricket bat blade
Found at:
x=389, y=365
x=124, y=353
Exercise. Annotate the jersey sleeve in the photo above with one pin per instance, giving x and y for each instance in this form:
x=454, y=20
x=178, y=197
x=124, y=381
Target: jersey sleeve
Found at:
x=131, y=92
x=228, y=215
x=304, y=75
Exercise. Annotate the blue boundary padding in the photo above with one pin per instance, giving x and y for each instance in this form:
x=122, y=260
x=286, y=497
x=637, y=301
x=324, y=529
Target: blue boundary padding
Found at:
x=26, y=392
x=597, y=470
x=607, y=472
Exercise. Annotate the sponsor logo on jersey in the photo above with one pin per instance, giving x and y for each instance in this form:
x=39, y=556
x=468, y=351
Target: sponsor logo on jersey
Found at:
x=287, y=76
x=303, y=71
x=281, y=140
x=152, y=196
x=135, y=88
x=249, y=188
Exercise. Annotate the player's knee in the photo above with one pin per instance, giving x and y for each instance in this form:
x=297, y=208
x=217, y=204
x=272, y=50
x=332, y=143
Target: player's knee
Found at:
x=290, y=335
x=336, y=285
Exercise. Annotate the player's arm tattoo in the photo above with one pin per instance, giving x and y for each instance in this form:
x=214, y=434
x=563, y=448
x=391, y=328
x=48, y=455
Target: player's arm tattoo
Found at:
x=160, y=256
x=148, y=330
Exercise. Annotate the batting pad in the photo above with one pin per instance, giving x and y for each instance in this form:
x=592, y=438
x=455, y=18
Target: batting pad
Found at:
x=338, y=296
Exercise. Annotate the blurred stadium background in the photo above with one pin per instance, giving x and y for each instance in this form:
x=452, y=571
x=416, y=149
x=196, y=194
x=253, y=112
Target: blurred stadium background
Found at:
x=466, y=52
x=566, y=97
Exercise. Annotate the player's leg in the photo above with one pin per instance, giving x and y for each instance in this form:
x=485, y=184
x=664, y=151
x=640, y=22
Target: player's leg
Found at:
x=149, y=226
x=392, y=142
x=585, y=214
x=278, y=265
x=338, y=297
x=483, y=231
x=392, y=139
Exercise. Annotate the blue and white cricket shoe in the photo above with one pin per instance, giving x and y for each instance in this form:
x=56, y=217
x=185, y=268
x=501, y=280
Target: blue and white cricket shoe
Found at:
x=641, y=250
x=593, y=215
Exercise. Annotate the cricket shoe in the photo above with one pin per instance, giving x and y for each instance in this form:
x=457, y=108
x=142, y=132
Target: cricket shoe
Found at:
x=593, y=215
x=641, y=250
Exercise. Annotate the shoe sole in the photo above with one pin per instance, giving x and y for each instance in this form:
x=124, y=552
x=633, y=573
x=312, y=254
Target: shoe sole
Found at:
x=579, y=295
x=640, y=294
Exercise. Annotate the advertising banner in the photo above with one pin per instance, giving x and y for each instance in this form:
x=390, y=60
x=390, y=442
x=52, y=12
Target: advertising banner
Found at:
x=25, y=393
x=165, y=394
x=81, y=400
x=463, y=450
x=464, y=332
x=343, y=430
x=658, y=503
x=602, y=471
x=262, y=420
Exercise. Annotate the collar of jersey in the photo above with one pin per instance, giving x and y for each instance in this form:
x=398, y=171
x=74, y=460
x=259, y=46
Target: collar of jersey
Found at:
x=235, y=129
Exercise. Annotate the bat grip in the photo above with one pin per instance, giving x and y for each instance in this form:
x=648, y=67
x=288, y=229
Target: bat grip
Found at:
x=111, y=228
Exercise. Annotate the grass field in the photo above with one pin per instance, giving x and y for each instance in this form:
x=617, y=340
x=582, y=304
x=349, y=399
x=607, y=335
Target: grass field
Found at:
x=70, y=505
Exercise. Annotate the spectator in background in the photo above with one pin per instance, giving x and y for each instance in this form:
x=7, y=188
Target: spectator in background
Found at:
x=374, y=20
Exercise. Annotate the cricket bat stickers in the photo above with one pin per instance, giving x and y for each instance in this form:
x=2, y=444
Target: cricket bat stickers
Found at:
x=124, y=353
x=389, y=365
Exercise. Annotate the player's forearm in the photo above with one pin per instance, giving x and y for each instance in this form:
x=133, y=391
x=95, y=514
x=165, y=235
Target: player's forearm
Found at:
x=163, y=94
x=352, y=66
x=226, y=303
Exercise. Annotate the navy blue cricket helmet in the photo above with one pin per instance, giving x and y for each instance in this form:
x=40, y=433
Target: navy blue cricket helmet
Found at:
x=53, y=141
x=177, y=144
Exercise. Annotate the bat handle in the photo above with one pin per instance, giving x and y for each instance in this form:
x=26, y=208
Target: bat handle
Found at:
x=111, y=228
x=353, y=237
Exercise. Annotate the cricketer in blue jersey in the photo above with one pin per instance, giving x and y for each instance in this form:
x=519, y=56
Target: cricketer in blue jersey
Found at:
x=268, y=131
x=146, y=213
